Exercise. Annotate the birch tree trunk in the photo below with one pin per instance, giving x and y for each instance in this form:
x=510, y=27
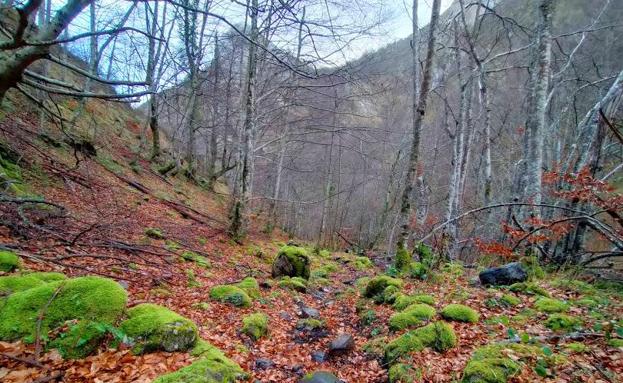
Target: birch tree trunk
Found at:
x=419, y=109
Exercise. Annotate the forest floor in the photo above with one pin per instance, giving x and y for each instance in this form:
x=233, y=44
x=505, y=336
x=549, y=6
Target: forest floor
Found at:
x=112, y=198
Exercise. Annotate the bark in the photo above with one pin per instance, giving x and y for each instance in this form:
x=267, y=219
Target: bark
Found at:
x=418, y=117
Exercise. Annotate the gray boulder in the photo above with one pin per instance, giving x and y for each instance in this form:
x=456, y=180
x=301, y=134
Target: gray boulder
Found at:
x=320, y=377
x=504, y=275
x=341, y=345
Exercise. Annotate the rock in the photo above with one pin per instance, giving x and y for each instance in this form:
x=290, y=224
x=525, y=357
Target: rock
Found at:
x=298, y=369
x=291, y=261
x=124, y=284
x=309, y=312
x=319, y=356
x=504, y=275
x=342, y=344
x=263, y=364
x=320, y=377
x=285, y=316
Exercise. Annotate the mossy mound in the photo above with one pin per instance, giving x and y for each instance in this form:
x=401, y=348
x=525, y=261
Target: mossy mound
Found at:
x=230, y=294
x=412, y=316
x=154, y=233
x=493, y=363
x=576, y=348
x=558, y=321
x=16, y=283
x=297, y=283
x=528, y=288
x=438, y=335
x=510, y=300
x=460, y=313
x=152, y=327
x=291, y=261
x=9, y=261
x=403, y=301
x=377, y=285
x=255, y=325
x=403, y=258
x=389, y=295
x=200, y=260
x=418, y=270
x=310, y=324
x=362, y=263
x=404, y=373
x=80, y=340
x=211, y=367
x=550, y=305
x=250, y=286
x=85, y=298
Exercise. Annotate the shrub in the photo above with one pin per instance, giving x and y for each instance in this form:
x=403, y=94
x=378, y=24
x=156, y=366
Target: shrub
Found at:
x=460, y=313
x=549, y=305
x=418, y=270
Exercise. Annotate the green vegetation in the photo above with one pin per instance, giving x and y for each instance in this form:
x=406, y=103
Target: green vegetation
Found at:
x=558, y=321
x=211, y=367
x=550, y=305
x=151, y=327
x=418, y=270
x=230, y=294
x=154, y=233
x=194, y=257
x=403, y=258
x=362, y=263
x=292, y=261
x=255, y=325
x=617, y=343
x=377, y=285
x=529, y=288
x=576, y=348
x=80, y=340
x=9, y=261
x=402, y=301
x=250, y=286
x=510, y=300
x=404, y=373
x=489, y=369
x=309, y=324
x=296, y=283
x=437, y=335
x=460, y=313
x=85, y=298
x=412, y=316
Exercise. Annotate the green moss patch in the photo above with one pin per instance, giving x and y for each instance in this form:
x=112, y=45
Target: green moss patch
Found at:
x=80, y=340
x=510, y=300
x=412, y=316
x=212, y=366
x=558, y=321
x=154, y=233
x=292, y=261
x=460, y=313
x=498, y=362
x=418, y=270
x=404, y=373
x=576, y=348
x=403, y=301
x=85, y=298
x=529, y=288
x=255, y=325
x=550, y=305
x=403, y=258
x=230, y=294
x=362, y=263
x=250, y=286
x=438, y=335
x=152, y=327
x=9, y=261
x=295, y=283
x=200, y=260
x=377, y=285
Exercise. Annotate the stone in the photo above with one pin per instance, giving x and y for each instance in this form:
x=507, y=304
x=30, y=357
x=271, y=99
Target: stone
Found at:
x=309, y=312
x=291, y=261
x=504, y=275
x=263, y=364
x=320, y=377
x=319, y=356
x=342, y=344
x=285, y=316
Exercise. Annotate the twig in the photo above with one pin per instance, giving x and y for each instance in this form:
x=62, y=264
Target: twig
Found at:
x=40, y=321
x=22, y=360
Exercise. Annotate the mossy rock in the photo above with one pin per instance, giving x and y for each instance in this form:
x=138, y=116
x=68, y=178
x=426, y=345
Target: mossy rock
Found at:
x=438, y=335
x=86, y=298
x=250, y=286
x=558, y=322
x=377, y=285
x=200, y=260
x=230, y=294
x=16, y=283
x=80, y=340
x=550, y=305
x=310, y=324
x=152, y=327
x=9, y=261
x=493, y=364
x=389, y=295
x=412, y=316
x=255, y=325
x=403, y=301
x=363, y=263
x=529, y=288
x=460, y=313
x=404, y=373
x=291, y=261
x=154, y=233
x=296, y=283
x=212, y=366
x=403, y=258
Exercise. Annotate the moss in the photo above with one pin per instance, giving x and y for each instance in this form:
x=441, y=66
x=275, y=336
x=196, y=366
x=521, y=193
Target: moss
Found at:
x=412, y=316
x=390, y=294
x=362, y=263
x=250, y=286
x=48, y=276
x=9, y=261
x=528, y=288
x=204, y=306
x=510, y=300
x=438, y=335
x=80, y=340
x=297, y=258
x=403, y=301
x=587, y=302
x=152, y=327
x=367, y=318
x=194, y=257
x=460, y=313
x=559, y=321
x=296, y=283
x=418, y=270
x=617, y=343
x=16, y=283
x=403, y=258
x=576, y=348
x=533, y=267
x=230, y=294
x=404, y=373
x=575, y=285
x=375, y=348
x=310, y=324
x=550, y=305
x=255, y=325
x=455, y=269
x=211, y=367
x=377, y=285
x=490, y=370
x=154, y=233
x=88, y=298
